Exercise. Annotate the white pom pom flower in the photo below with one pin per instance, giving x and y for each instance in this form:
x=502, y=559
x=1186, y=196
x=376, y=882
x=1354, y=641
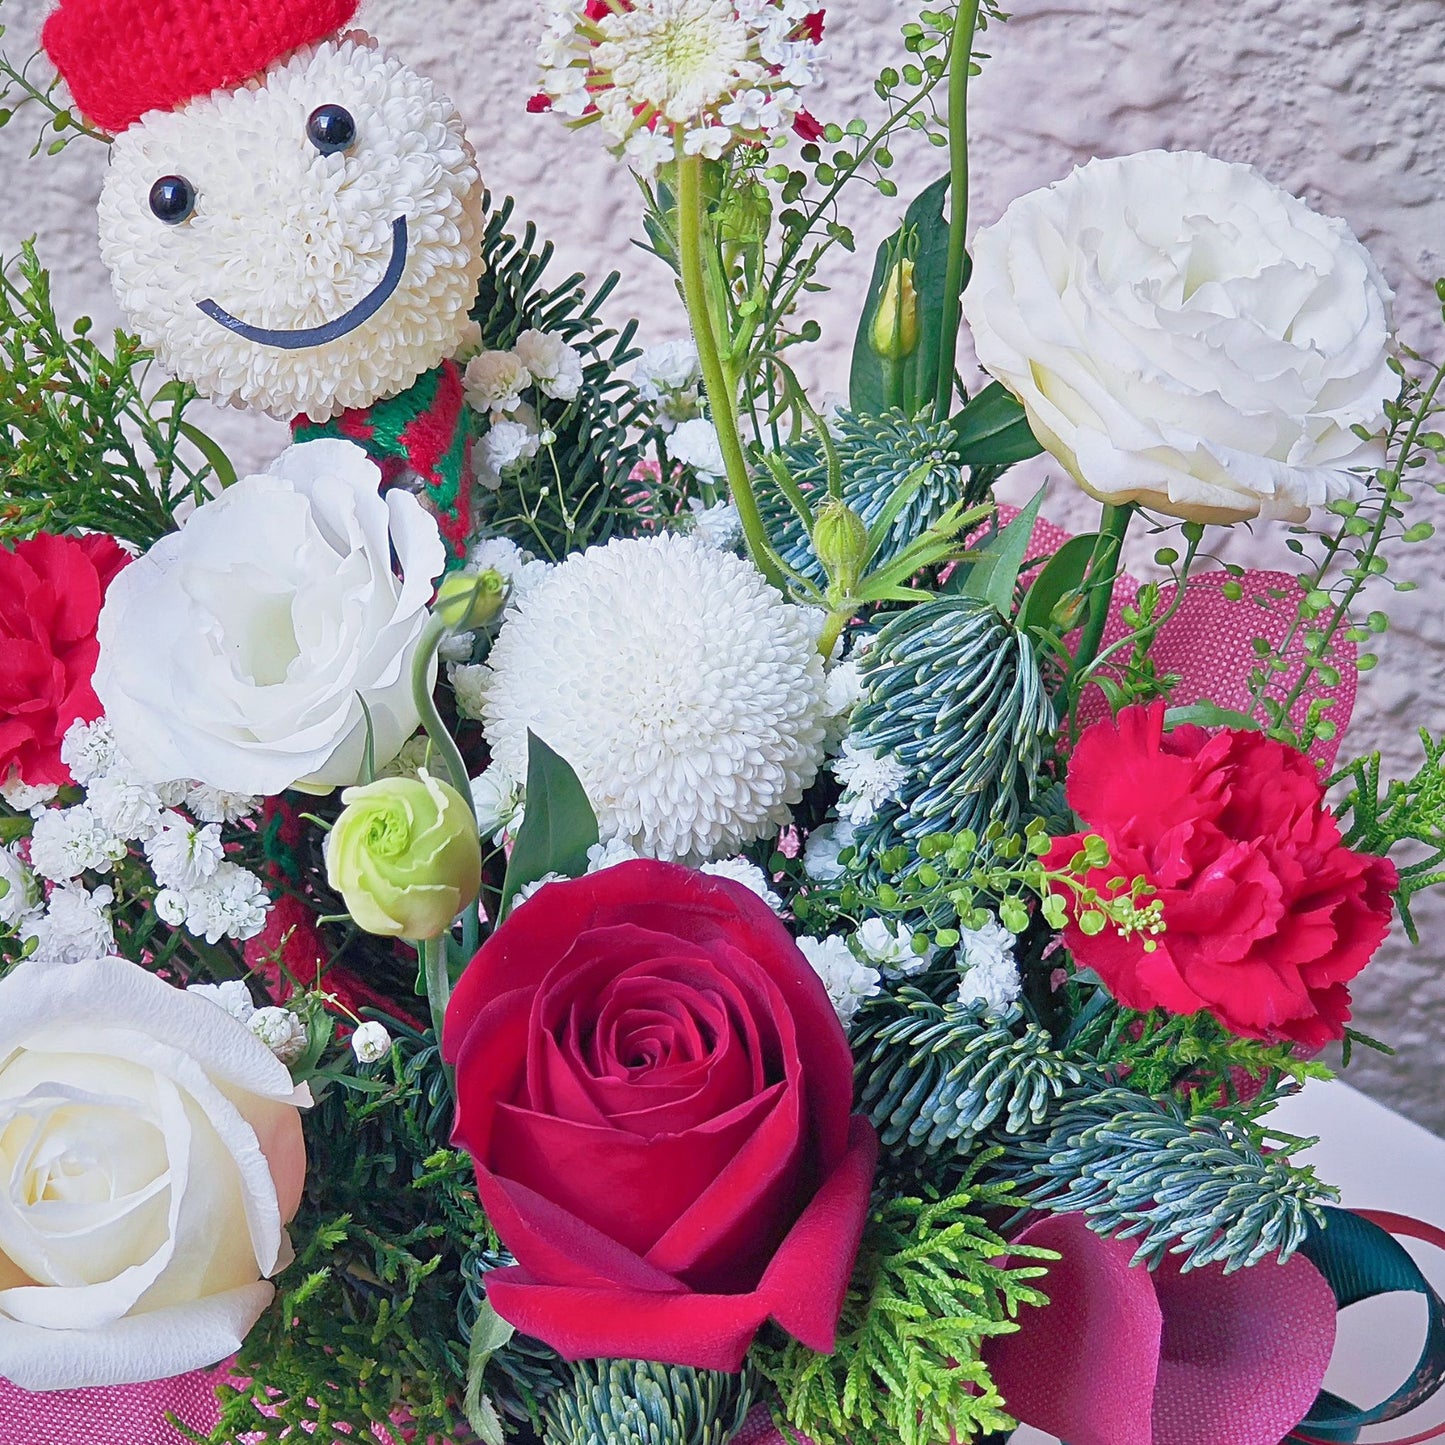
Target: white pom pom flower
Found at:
x=686, y=694
x=300, y=281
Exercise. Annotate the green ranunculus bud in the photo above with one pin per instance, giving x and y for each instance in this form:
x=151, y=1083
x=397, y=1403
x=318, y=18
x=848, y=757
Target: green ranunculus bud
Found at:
x=469, y=600
x=840, y=538
x=895, y=328
x=405, y=856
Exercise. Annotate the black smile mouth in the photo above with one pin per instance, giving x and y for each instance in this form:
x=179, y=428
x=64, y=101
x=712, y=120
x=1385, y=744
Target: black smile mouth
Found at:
x=359, y=314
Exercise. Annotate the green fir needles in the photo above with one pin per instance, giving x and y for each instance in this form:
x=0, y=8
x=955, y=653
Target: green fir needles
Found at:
x=633, y=1402
x=1197, y=1187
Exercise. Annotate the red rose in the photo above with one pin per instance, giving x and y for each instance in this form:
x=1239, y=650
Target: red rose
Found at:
x=1267, y=914
x=51, y=590
x=656, y=1092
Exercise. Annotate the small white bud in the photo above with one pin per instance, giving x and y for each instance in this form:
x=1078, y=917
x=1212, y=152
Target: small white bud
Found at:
x=370, y=1043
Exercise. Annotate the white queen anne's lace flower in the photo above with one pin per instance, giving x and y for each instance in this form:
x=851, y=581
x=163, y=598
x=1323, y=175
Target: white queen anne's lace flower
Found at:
x=686, y=694
x=664, y=75
x=1184, y=334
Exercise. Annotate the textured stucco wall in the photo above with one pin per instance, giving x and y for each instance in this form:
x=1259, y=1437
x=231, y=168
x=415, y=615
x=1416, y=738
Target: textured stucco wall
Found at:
x=1343, y=104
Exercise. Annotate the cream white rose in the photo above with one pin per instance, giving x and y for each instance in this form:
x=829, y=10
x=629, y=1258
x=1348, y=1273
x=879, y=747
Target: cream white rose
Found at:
x=240, y=650
x=1186, y=335
x=150, y=1158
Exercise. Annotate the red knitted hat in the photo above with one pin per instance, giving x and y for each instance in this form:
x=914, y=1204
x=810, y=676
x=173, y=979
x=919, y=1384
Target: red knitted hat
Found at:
x=122, y=58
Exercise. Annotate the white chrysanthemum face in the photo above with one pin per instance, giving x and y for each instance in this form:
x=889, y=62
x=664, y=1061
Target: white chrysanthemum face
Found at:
x=1185, y=334
x=302, y=279
x=686, y=694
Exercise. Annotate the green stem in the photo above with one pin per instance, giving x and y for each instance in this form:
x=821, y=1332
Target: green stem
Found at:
x=838, y=619
x=1103, y=574
x=965, y=26
x=433, y=953
x=692, y=230
x=424, y=698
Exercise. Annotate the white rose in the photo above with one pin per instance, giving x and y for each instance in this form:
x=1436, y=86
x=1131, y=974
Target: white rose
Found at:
x=1186, y=335
x=240, y=650
x=150, y=1158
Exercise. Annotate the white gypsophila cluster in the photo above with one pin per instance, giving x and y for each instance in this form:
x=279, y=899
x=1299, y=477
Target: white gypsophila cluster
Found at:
x=415, y=756
x=520, y=570
x=869, y=780
x=681, y=77
x=686, y=694
x=284, y=239
x=695, y=444
x=89, y=750
x=822, y=852
x=719, y=525
x=232, y=996
x=890, y=946
x=370, y=1042
x=1186, y=335
x=27, y=797
x=67, y=842
x=989, y=974
x=496, y=382
x=231, y=902
x=746, y=872
x=497, y=798
x=669, y=376
x=508, y=441
x=20, y=897
x=281, y=1031
x=75, y=926
x=847, y=980
x=217, y=805
x=551, y=362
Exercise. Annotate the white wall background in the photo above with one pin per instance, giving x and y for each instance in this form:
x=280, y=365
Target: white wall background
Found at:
x=1344, y=104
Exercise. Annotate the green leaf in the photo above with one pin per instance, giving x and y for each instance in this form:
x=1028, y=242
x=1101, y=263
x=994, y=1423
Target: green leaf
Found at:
x=993, y=431
x=1062, y=574
x=559, y=826
x=490, y=1334
x=925, y=233
x=995, y=574
x=1205, y=714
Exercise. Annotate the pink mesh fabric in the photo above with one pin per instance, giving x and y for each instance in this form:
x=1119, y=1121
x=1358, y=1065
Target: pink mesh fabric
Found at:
x=134, y=1415
x=760, y=1430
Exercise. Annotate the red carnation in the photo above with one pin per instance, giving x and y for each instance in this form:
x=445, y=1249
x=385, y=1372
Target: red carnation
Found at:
x=51, y=591
x=657, y=1092
x=1267, y=914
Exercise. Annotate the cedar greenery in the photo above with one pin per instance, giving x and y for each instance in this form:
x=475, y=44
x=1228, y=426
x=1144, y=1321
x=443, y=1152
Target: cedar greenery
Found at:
x=927, y=1292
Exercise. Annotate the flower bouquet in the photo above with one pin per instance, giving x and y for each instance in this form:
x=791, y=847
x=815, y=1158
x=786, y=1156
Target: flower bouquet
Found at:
x=604, y=898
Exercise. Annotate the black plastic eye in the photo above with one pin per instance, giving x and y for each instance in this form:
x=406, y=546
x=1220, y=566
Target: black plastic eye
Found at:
x=173, y=198
x=331, y=129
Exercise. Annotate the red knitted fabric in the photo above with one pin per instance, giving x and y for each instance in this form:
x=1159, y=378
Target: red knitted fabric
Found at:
x=122, y=58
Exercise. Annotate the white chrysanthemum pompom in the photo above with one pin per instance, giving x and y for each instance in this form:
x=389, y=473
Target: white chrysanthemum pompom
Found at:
x=367, y=258
x=686, y=693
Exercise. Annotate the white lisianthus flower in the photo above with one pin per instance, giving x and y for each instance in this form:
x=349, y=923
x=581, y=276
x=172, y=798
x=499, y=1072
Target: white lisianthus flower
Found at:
x=75, y=926
x=370, y=1042
x=847, y=980
x=695, y=444
x=150, y=1158
x=19, y=892
x=240, y=650
x=555, y=366
x=686, y=694
x=1184, y=334
x=495, y=381
x=890, y=945
x=989, y=975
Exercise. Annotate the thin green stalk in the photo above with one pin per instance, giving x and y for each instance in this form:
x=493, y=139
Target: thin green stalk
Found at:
x=424, y=699
x=965, y=26
x=1103, y=574
x=721, y=387
x=433, y=955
